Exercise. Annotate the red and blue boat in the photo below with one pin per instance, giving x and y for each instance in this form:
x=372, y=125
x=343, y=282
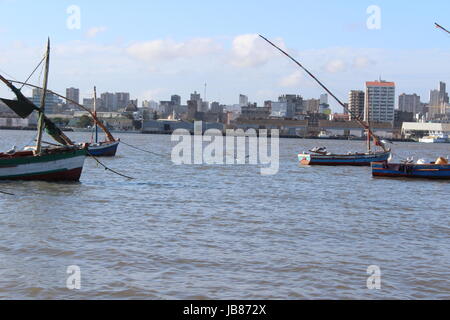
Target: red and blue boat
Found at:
x=435, y=170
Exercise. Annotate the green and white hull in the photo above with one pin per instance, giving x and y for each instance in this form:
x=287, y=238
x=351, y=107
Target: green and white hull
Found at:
x=66, y=165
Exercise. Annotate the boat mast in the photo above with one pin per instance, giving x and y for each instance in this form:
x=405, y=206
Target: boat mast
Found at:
x=43, y=96
x=95, y=112
x=441, y=27
x=357, y=117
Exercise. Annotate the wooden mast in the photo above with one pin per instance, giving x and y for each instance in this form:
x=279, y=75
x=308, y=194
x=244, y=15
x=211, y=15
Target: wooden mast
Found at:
x=43, y=96
x=95, y=113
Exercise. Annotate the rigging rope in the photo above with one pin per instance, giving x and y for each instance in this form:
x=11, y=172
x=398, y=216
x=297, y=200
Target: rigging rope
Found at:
x=7, y=193
x=109, y=169
x=26, y=81
x=150, y=152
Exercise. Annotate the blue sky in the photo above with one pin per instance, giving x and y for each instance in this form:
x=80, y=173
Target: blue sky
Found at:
x=157, y=48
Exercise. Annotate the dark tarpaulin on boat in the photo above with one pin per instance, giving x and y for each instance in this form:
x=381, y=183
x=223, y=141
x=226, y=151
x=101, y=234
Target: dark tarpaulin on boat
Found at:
x=22, y=108
x=55, y=132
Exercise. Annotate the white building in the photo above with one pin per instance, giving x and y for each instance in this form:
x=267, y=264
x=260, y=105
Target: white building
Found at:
x=380, y=101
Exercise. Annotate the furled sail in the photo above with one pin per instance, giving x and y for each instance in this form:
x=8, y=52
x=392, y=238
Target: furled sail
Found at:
x=24, y=107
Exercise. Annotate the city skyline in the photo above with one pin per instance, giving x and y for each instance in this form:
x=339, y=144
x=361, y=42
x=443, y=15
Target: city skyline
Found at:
x=153, y=60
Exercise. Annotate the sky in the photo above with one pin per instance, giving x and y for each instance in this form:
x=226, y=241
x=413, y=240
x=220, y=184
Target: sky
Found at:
x=154, y=49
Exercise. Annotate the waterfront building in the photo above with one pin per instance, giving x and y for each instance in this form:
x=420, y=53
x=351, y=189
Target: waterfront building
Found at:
x=52, y=102
x=379, y=101
x=356, y=101
x=311, y=105
x=123, y=100
x=74, y=95
x=294, y=104
x=243, y=100
x=410, y=103
x=278, y=109
x=176, y=100
x=109, y=102
x=253, y=112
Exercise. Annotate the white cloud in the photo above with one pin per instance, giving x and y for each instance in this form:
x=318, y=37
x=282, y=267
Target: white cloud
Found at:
x=94, y=31
x=335, y=66
x=249, y=50
x=292, y=80
x=363, y=62
x=159, y=50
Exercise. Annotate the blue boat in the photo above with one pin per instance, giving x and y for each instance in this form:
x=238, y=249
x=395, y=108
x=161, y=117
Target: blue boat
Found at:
x=105, y=148
x=411, y=170
x=355, y=159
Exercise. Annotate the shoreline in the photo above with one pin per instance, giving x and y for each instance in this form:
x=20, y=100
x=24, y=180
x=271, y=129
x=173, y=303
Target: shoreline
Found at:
x=170, y=132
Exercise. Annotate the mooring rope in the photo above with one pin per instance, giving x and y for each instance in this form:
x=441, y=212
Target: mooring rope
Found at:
x=109, y=169
x=7, y=193
x=146, y=151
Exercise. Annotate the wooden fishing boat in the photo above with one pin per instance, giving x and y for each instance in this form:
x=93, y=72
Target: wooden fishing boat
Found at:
x=55, y=163
x=322, y=157
x=106, y=148
x=411, y=170
x=52, y=164
x=356, y=159
x=103, y=149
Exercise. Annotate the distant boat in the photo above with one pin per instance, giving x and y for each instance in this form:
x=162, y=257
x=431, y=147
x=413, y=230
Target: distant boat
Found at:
x=351, y=159
x=106, y=148
x=441, y=138
x=54, y=163
x=436, y=170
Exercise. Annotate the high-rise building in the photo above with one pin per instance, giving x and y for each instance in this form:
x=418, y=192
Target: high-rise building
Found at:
x=109, y=102
x=312, y=105
x=216, y=107
x=74, y=95
x=410, y=103
x=52, y=102
x=379, y=101
x=243, y=100
x=176, y=100
x=356, y=101
x=324, y=98
x=196, y=98
x=294, y=103
x=123, y=100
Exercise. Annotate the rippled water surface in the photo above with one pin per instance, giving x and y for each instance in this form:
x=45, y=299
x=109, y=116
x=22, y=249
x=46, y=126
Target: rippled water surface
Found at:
x=225, y=232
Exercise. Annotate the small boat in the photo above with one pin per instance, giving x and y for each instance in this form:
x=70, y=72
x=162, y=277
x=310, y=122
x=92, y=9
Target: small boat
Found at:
x=54, y=163
x=435, y=170
x=441, y=138
x=351, y=159
x=106, y=148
